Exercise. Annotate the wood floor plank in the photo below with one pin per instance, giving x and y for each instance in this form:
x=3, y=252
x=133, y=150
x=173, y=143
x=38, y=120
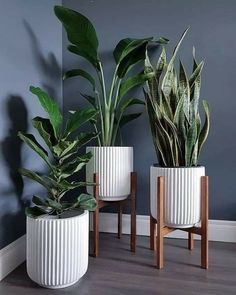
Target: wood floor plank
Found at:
x=117, y=271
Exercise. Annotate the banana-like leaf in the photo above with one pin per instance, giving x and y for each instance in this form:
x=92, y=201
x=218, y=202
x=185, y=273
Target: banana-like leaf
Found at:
x=30, y=140
x=91, y=100
x=126, y=64
x=51, y=107
x=80, y=31
x=78, y=72
x=45, y=129
x=133, y=81
x=127, y=46
x=78, y=118
x=127, y=118
x=86, y=202
x=129, y=102
x=78, y=51
x=205, y=129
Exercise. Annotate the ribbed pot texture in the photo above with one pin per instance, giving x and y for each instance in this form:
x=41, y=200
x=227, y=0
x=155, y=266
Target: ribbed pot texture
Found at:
x=114, y=165
x=57, y=250
x=182, y=199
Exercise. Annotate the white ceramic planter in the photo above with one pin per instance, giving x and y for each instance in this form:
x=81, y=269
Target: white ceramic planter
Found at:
x=114, y=165
x=182, y=194
x=57, y=250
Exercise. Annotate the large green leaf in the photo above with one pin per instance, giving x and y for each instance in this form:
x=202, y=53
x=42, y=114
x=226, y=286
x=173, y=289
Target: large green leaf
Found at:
x=78, y=51
x=78, y=118
x=30, y=140
x=129, y=117
x=34, y=212
x=45, y=129
x=90, y=99
x=36, y=177
x=125, y=103
x=81, y=73
x=80, y=31
x=51, y=107
x=86, y=202
x=133, y=81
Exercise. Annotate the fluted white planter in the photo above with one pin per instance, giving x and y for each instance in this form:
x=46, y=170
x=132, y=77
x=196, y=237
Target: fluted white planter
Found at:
x=57, y=250
x=182, y=194
x=114, y=165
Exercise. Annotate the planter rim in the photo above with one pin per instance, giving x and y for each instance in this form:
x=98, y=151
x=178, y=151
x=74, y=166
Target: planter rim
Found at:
x=177, y=167
x=46, y=217
x=105, y=147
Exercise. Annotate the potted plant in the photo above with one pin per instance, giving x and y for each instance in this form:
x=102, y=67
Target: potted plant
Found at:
x=178, y=136
x=112, y=161
x=57, y=228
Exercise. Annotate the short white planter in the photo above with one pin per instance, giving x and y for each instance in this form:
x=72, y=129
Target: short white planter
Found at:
x=182, y=194
x=114, y=165
x=57, y=250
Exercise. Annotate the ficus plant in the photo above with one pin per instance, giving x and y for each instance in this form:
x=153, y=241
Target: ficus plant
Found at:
x=173, y=107
x=110, y=100
x=61, y=157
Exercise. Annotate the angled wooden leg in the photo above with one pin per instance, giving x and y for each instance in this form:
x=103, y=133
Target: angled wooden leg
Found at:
x=133, y=195
x=160, y=221
x=153, y=233
x=120, y=207
x=204, y=222
x=190, y=241
x=96, y=217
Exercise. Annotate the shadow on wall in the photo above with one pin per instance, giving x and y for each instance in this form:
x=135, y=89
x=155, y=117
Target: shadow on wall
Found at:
x=47, y=66
x=11, y=151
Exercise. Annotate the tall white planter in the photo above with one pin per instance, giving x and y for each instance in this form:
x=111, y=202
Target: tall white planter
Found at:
x=57, y=250
x=114, y=165
x=182, y=194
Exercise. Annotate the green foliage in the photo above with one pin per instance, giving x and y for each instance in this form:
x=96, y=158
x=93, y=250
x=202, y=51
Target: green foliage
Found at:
x=173, y=109
x=61, y=158
x=108, y=100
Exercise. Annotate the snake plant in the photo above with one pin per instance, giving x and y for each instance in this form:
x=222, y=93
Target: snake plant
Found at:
x=173, y=108
x=110, y=100
x=61, y=158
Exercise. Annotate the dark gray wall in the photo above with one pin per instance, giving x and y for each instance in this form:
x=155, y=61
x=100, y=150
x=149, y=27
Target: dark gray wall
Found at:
x=30, y=54
x=213, y=32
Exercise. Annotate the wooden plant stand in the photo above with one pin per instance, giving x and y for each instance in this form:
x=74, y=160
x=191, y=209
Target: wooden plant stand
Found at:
x=158, y=230
x=130, y=201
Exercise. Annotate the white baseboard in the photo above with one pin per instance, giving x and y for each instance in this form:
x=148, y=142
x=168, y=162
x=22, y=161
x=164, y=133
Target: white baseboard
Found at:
x=11, y=256
x=219, y=230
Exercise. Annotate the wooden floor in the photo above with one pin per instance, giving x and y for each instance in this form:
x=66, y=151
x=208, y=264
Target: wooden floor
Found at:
x=117, y=271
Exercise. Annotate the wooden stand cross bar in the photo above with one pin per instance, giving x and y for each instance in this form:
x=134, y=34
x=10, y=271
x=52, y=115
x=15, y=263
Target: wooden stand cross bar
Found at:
x=130, y=201
x=158, y=230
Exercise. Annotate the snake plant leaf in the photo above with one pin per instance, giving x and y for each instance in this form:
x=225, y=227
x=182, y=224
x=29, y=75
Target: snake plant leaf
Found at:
x=196, y=74
x=45, y=129
x=133, y=81
x=78, y=118
x=51, y=107
x=80, y=32
x=91, y=100
x=126, y=103
x=129, y=117
x=86, y=202
x=161, y=63
x=168, y=78
x=184, y=90
x=94, y=62
x=30, y=140
x=79, y=72
x=190, y=142
x=205, y=129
